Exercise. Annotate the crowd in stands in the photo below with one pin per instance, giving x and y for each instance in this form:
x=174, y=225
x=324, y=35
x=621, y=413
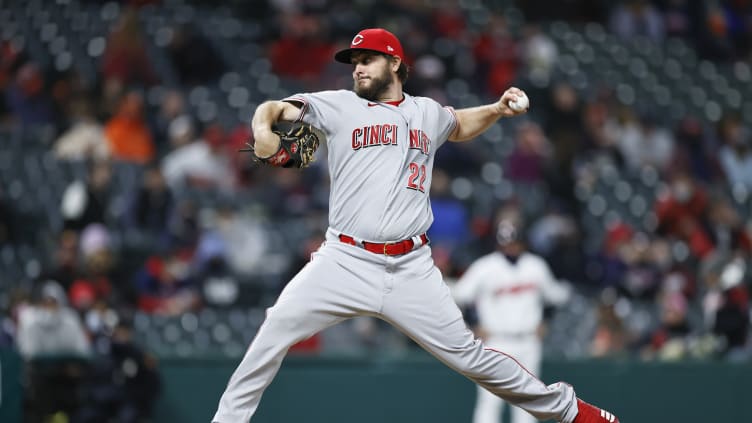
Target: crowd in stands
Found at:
x=686, y=257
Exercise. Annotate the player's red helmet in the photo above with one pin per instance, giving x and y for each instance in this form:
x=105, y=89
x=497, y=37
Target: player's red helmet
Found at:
x=375, y=39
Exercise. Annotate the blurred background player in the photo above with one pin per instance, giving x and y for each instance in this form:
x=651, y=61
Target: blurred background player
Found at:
x=509, y=289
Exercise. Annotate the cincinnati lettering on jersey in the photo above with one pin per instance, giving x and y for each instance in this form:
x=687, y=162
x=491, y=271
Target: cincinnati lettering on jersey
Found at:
x=386, y=134
x=419, y=141
x=369, y=136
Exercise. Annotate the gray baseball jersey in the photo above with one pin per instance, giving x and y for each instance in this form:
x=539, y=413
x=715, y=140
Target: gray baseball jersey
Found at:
x=380, y=160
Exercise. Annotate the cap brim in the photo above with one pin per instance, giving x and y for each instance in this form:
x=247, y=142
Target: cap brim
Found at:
x=343, y=56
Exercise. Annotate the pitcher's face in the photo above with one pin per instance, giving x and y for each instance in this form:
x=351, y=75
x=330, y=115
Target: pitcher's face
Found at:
x=372, y=75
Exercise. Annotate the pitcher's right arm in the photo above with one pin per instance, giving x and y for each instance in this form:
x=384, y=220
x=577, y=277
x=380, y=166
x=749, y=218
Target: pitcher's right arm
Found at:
x=267, y=113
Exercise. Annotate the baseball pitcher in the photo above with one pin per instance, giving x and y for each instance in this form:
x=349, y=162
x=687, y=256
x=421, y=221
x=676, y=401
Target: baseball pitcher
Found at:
x=376, y=260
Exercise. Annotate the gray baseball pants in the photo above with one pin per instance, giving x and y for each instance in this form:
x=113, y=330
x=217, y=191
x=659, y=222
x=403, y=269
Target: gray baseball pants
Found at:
x=343, y=281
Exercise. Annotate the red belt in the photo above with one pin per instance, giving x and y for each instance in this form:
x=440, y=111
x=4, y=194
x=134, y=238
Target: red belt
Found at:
x=387, y=248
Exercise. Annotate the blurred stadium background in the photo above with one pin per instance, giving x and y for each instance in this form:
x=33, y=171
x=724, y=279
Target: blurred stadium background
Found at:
x=138, y=250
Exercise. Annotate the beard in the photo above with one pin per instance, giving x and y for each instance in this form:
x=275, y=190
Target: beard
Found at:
x=378, y=86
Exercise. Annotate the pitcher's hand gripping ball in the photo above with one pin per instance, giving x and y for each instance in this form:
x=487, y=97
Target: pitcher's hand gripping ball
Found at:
x=297, y=143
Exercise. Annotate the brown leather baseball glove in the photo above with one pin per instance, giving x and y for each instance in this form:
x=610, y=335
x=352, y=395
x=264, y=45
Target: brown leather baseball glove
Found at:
x=298, y=142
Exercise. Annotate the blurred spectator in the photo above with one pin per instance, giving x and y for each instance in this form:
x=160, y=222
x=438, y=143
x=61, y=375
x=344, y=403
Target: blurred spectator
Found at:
x=539, y=54
x=124, y=384
x=642, y=277
x=458, y=158
x=695, y=152
x=99, y=278
x=211, y=246
x=181, y=131
x=600, y=131
x=549, y=229
x=737, y=14
x=681, y=17
x=286, y=194
x=680, y=210
x=303, y=40
x=109, y=99
x=164, y=285
x=171, y=107
x=710, y=277
x=86, y=202
x=529, y=158
x=239, y=239
x=202, y=164
x=497, y=54
x=669, y=341
x=726, y=228
x=735, y=153
x=125, y=58
x=127, y=132
x=634, y=18
x=183, y=226
x=556, y=236
x=18, y=299
x=50, y=327
x=564, y=120
x=448, y=20
x=100, y=320
x=28, y=100
x=11, y=57
x=608, y=267
x=65, y=267
x=449, y=229
x=244, y=166
x=732, y=320
x=52, y=340
x=611, y=334
x=716, y=34
x=153, y=203
x=68, y=87
x=85, y=138
x=193, y=57
x=563, y=125
x=219, y=286
x=643, y=142
x=302, y=256
x=427, y=76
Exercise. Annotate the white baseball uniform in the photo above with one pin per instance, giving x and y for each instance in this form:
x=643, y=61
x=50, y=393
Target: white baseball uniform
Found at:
x=380, y=160
x=509, y=298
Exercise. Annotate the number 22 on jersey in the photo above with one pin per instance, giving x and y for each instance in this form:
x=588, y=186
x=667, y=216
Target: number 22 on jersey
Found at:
x=417, y=177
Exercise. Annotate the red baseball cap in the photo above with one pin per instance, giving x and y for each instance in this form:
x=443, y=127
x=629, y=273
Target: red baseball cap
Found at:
x=376, y=39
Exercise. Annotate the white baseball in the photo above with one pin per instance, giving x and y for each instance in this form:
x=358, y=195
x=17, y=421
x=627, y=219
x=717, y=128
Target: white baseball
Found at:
x=520, y=104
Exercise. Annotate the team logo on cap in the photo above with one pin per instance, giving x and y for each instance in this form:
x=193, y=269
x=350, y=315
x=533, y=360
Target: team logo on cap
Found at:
x=357, y=40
